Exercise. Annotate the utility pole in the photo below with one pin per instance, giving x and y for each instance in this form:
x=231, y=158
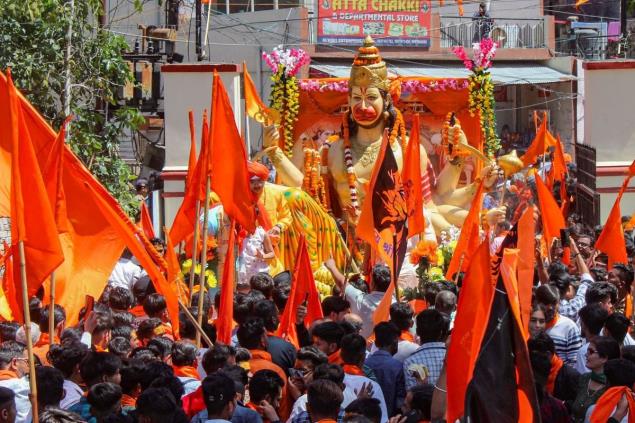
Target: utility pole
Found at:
x=623, y=11
x=199, y=41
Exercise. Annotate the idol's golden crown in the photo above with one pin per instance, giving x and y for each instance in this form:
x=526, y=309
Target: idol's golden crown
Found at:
x=368, y=69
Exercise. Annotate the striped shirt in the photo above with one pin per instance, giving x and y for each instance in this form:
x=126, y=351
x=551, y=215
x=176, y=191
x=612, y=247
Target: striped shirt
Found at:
x=566, y=338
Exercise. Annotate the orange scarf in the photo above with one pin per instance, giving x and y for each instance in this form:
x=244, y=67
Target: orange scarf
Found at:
x=260, y=354
x=186, y=371
x=628, y=308
x=44, y=340
x=335, y=358
x=138, y=311
x=128, y=401
x=406, y=336
x=8, y=374
x=608, y=401
x=552, y=323
x=351, y=369
x=556, y=365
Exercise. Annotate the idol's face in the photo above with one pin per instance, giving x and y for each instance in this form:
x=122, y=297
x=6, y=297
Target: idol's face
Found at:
x=367, y=105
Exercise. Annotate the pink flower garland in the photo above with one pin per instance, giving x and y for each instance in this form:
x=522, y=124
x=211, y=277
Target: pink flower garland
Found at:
x=292, y=59
x=412, y=86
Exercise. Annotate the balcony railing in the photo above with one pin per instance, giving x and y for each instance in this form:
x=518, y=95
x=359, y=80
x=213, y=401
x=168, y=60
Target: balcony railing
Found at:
x=508, y=33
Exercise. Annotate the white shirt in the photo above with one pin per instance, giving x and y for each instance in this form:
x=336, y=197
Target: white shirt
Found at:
x=404, y=349
x=20, y=388
x=581, y=359
x=300, y=404
x=364, y=305
x=355, y=383
x=628, y=340
x=125, y=274
x=72, y=394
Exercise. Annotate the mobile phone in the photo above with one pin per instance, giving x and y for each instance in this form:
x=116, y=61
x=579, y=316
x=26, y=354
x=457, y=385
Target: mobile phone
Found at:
x=564, y=238
x=90, y=304
x=295, y=373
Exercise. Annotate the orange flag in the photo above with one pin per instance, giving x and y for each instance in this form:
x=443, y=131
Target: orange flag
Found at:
x=526, y=258
x=508, y=270
x=472, y=315
x=174, y=270
x=230, y=178
x=412, y=182
x=543, y=140
x=191, y=164
x=140, y=247
x=611, y=241
x=254, y=107
x=303, y=290
x=469, y=237
x=32, y=220
x=53, y=174
x=90, y=247
x=552, y=219
x=145, y=221
x=185, y=219
x=579, y=3
x=225, y=321
x=8, y=306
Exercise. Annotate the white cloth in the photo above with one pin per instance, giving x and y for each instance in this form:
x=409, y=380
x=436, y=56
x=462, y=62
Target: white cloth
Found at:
x=581, y=359
x=364, y=306
x=248, y=262
x=72, y=394
x=628, y=340
x=355, y=383
x=190, y=384
x=125, y=274
x=405, y=350
x=20, y=388
x=300, y=404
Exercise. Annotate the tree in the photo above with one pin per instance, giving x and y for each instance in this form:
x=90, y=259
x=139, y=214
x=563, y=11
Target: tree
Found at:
x=33, y=35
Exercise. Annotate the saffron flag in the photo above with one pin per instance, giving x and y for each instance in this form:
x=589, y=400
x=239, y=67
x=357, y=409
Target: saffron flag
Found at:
x=32, y=219
x=543, y=140
x=412, y=182
x=472, y=315
x=469, y=238
x=526, y=258
x=611, y=241
x=579, y=3
x=191, y=163
x=552, y=219
x=174, y=277
x=254, y=107
x=230, y=178
x=303, y=290
x=186, y=218
x=53, y=174
x=7, y=304
x=145, y=221
x=141, y=248
x=224, y=323
x=384, y=215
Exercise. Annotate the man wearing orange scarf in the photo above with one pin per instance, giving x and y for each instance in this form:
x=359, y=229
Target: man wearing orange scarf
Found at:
x=562, y=381
x=14, y=366
x=326, y=338
x=184, y=363
x=41, y=348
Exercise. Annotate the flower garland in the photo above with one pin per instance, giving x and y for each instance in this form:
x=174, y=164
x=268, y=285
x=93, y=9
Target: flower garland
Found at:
x=411, y=86
x=285, y=93
x=481, y=88
x=348, y=163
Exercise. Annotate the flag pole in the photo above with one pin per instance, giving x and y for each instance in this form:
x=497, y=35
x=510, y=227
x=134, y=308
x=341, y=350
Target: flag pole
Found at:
x=52, y=309
x=199, y=328
x=394, y=265
x=202, y=283
x=194, y=248
x=27, y=332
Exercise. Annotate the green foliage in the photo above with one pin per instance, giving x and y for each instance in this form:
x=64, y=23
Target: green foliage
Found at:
x=33, y=39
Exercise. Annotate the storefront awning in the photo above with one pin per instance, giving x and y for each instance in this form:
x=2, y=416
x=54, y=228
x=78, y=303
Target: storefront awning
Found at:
x=501, y=74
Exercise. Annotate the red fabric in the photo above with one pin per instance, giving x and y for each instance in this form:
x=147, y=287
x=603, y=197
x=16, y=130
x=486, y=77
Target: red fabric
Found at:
x=258, y=170
x=186, y=371
x=32, y=218
x=146, y=221
x=606, y=404
x=225, y=322
x=351, y=369
x=553, y=322
x=552, y=219
x=128, y=401
x=302, y=289
x=229, y=161
x=193, y=403
x=469, y=237
x=556, y=365
x=336, y=358
x=406, y=336
x=412, y=182
x=191, y=163
x=471, y=321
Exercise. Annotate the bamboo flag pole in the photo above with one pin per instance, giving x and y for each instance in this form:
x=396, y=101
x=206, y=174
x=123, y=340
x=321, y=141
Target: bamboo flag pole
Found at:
x=202, y=283
x=199, y=328
x=52, y=310
x=395, y=276
x=27, y=332
x=194, y=248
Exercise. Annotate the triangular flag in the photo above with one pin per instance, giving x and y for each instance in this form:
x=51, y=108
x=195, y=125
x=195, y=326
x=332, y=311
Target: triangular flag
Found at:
x=469, y=238
x=254, y=107
x=32, y=220
x=543, y=140
x=472, y=315
x=145, y=221
x=225, y=320
x=302, y=290
x=230, y=178
x=412, y=181
x=552, y=219
x=53, y=176
x=174, y=277
x=191, y=163
x=611, y=241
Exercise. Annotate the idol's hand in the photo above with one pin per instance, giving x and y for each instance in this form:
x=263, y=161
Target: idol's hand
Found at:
x=271, y=136
x=496, y=215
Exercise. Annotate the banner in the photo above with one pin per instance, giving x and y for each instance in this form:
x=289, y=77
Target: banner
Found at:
x=392, y=23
